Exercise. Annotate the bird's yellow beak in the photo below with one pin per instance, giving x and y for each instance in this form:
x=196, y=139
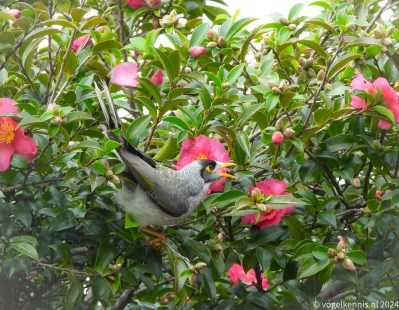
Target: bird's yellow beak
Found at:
x=226, y=175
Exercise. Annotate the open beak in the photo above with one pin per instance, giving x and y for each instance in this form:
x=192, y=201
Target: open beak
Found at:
x=226, y=175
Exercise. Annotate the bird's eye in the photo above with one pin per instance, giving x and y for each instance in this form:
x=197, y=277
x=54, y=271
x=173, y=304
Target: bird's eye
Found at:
x=208, y=168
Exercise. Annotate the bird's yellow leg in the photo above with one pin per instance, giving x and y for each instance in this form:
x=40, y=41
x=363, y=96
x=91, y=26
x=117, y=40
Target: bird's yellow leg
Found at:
x=161, y=238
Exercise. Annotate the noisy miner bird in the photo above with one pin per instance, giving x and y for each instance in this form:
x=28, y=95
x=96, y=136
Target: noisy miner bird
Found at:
x=154, y=194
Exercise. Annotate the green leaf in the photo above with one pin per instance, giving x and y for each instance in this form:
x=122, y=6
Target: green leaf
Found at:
x=137, y=127
x=168, y=151
x=60, y=22
x=323, y=4
x=310, y=267
x=88, y=144
x=237, y=26
x=166, y=63
x=322, y=115
x=321, y=252
x=243, y=140
x=129, y=223
x=35, y=34
x=210, y=286
x=294, y=11
x=153, y=90
x=234, y=74
x=93, y=22
x=63, y=251
x=199, y=34
x=78, y=116
x=19, y=162
x=268, y=234
x=358, y=257
x=106, y=253
x=28, y=239
x=177, y=121
x=321, y=24
x=327, y=218
x=298, y=144
x=139, y=44
x=340, y=63
x=384, y=112
x=342, y=17
x=62, y=221
x=77, y=14
x=75, y=290
x=363, y=42
x=152, y=110
x=105, y=46
x=280, y=202
x=26, y=249
x=299, y=289
x=304, y=251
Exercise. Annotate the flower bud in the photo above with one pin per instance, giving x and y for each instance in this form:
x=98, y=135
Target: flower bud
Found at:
x=341, y=244
x=279, y=124
x=71, y=144
x=187, y=70
x=108, y=174
x=387, y=41
x=309, y=62
x=192, y=279
x=57, y=121
x=165, y=23
x=389, y=31
x=320, y=75
x=348, y=264
x=266, y=39
x=327, y=87
x=288, y=132
x=336, y=260
x=272, y=84
x=197, y=51
x=261, y=207
x=105, y=163
x=217, y=247
x=115, y=267
x=378, y=34
x=292, y=27
x=226, y=85
x=212, y=44
x=350, y=26
x=276, y=90
x=377, y=145
x=341, y=255
x=302, y=62
x=283, y=85
x=219, y=236
x=310, y=72
x=356, y=182
x=378, y=194
x=14, y=13
x=294, y=20
x=256, y=193
x=222, y=41
x=154, y=4
x=200, y=266
x=331, y=252
x=53, y=109
x=212, y=35
x=364, y=34
x=278, y=138
x=283, y=20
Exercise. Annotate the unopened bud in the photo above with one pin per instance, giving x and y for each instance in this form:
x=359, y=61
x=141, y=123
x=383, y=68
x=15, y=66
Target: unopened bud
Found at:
x=327, y=87
x=276, y=90
x=105, y=163
x=341, y=255
x=389, y=31
x=192, y=278
x=115, y=267
x=222, y=41
x=279, y=124
x=261, y=207
x=310, y=72
x=219, y=236
x=292, y=27
x=277, y=138
x=309, y=62
x=53, y=109
x=154, y=4
x=211, y=44
x=336, y=260
x=356, y=182
x=272, y=84
x=258, y=55
x=283, y=20
x=350, y=26
x=341, y=244
x=320, y=75
x=348, y=264
x=187, y=70
x=57, y=121
x=212, y=35
x=217, y=247
x=294, y=20
x=331, y=252
x=283, y=85
x=108, y=174
x=387, y=41
x=71, y=144
x=256, y=193
x=266, y=39
x=288, y=132
x=200, y=266
x=302, y=62
x=364, y=34
x=377, y=145
x=378, y=194
x=226, y=85
x=378, y=34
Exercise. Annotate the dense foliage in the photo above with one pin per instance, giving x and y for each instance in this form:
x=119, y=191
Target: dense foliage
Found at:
x=305, y=106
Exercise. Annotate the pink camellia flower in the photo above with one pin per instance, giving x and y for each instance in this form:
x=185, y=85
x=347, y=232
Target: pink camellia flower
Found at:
x=378, y=194
x=125, y=74
x=203, y=147
x=136, y=4
x=157, y=78
x=272, y=216
x=277, y=138
x=15, y=13
x=390, y=96
x=13, y=141
x=197, y=51
x=237, y=272
x=78, y=42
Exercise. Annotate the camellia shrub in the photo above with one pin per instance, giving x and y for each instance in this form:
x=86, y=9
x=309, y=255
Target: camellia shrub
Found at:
x=306, y=107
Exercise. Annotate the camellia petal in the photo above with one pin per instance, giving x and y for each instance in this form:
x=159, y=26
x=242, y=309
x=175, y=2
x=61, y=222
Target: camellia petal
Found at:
x=125, y=74
x=136, y=4
x=78, y=42
x=389, y=94
x=6, y=151
x=24, y=146
x=6, y=106
x=236, y=272
x=157, y=78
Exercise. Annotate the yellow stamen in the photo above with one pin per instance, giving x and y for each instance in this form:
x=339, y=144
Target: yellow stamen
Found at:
x=202, y=156
x=6, y=132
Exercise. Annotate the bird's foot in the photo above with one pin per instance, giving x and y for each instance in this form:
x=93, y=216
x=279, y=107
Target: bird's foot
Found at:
x=157, y=242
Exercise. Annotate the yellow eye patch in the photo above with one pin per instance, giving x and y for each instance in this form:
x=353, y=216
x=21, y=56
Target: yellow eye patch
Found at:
x=208, y=169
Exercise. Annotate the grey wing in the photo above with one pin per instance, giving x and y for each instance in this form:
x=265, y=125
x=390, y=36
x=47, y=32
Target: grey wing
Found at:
x=172, y=193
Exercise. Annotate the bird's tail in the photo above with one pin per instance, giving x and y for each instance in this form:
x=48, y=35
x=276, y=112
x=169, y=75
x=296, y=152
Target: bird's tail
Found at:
x=114, y=122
